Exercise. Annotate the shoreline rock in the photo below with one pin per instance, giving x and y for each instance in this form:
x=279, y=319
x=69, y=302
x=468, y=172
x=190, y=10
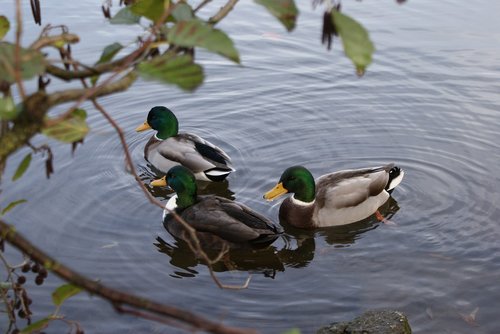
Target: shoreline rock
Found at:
x=371, y=322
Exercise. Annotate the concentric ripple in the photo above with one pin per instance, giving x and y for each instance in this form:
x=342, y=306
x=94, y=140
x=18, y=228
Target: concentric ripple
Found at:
x=429, y=103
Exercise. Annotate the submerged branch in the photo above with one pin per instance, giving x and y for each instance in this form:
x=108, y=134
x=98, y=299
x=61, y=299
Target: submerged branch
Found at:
x=114, y=296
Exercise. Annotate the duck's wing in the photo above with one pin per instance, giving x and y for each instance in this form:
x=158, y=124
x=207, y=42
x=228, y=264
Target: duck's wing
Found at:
x=196, y=154
x=230, y=221
x=350, y=188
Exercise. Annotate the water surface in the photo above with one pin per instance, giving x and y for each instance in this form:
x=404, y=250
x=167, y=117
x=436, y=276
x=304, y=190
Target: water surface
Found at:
x=429, y=102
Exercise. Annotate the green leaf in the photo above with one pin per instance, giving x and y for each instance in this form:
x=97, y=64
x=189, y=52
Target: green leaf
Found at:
x=283, y=10
x=64, y=292
x=8, y=109
x=36, y=326
x=151, y=9
x=4, y=26
x=23, y=166
x=69, y=130
x=125, y=16
x=31, y=62
x=177, y=70
x=357, y=44
x=197, y=33
x=12, y=205
x=107, y=54
x=182, y=12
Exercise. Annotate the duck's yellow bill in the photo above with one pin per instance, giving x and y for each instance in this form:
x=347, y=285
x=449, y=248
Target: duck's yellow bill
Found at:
x=159, y=182
x=143, y=127
x=276, y=192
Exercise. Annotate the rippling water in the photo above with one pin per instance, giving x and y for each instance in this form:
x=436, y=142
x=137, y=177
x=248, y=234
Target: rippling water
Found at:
x=430, y=102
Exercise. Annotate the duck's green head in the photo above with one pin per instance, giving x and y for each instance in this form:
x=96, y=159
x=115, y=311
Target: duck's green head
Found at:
x=297, y=180
x=162, y=120
x=183, y=182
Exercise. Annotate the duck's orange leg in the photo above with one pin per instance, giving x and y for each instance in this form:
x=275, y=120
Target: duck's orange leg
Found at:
x=382, y=219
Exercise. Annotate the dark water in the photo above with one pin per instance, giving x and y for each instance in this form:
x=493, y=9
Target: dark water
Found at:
x=430, y=102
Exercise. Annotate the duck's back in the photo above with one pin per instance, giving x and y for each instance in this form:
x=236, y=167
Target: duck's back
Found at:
x=351, y=195
x=227, y=220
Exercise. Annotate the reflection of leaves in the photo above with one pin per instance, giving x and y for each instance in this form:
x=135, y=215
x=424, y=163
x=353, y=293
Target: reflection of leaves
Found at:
x=125, y=16
x=4, y=26
x=151, y=9
x=177, y=70
x=23, y=166
x=31, y=62
x=283, y=10
x=107, y=54
x=471, y=317
x=357, y=44
x=197, y=33
x=36, y=326
x=8, y=110
x=64, y=292
x=69, y=130
x=12, y=205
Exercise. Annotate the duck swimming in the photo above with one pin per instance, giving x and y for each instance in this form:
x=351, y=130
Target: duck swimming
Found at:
x=217, y=220
x=337, y=198
x=168, y=148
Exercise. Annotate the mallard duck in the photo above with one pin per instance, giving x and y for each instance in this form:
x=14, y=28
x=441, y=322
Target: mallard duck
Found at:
x=217, y=220
x=168, y=148
x=338, y=198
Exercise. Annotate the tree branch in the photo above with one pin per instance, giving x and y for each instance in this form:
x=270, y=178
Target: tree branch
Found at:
x=116, y=297
x=51, y=40
x=88, y=72
x=77, y=94
x=223, y=11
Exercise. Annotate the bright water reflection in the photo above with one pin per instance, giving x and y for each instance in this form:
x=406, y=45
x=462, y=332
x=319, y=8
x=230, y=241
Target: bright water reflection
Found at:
x=429, y=102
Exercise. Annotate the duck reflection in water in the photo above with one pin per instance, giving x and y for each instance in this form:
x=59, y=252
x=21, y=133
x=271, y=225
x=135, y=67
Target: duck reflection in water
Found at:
x=295, y=249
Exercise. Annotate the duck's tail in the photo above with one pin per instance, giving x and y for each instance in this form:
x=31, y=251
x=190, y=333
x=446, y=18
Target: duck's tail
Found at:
x=218, y=174
x=395, y=177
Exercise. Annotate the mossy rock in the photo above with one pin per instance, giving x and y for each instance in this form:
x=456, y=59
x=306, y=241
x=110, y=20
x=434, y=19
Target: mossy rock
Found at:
x=371, y=322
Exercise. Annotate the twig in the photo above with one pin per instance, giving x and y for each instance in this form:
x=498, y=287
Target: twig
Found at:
x=117, y=297
x=77, y=94
x=51, y=40
x=201, y=5
x=17, y=51
x=223, y=11
x=128, y=157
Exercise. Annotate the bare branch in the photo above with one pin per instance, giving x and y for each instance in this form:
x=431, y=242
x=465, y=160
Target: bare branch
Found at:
x=51, y=40
x=223, y=11
x=90, y=70
x=101, y=90
x=201, y=5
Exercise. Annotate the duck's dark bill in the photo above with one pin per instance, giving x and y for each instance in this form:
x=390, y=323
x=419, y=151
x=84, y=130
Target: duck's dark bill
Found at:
x=143, y=127
x=159, y=182
x=276, y=192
